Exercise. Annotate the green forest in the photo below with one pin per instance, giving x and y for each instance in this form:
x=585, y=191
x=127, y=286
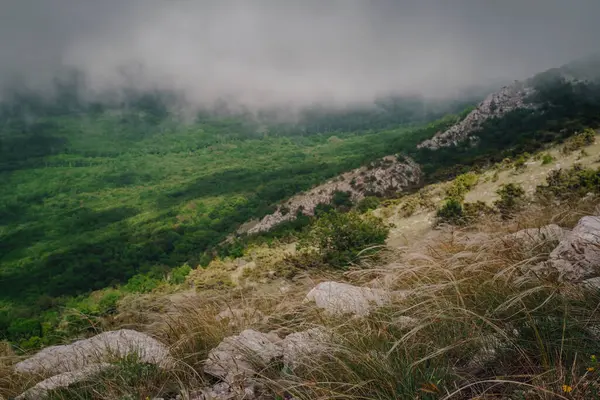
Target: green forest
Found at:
x=93, y=195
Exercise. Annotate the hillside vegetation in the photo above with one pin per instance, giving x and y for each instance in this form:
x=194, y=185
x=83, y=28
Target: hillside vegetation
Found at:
x=129, y=218
x=469, y=317
x=92, y=195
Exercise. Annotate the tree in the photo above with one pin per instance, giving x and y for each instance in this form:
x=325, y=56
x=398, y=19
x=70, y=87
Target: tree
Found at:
x=338, y=238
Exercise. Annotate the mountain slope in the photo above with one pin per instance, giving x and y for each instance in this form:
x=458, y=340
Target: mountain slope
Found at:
x=526, y=95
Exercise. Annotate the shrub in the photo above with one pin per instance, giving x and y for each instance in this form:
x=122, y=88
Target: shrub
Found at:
x=322, y=209
x=179, y=274
x=547, y=159
x=520, y=162
x=578, y=141
x=474, y=211
x=574, y=182
x=342, y=199
x=461, y=185
x=409, y=207
x=512, y=197
x=338, y=238
x=451, y=212
x=108, y=303
x=368, y=203
x=141, y=284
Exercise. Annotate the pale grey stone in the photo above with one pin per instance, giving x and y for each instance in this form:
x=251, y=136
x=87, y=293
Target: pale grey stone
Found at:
x=64, y=380
x=577, y=257
x=341, y=298
x=95, y=350
x=299, y=346
x=236, y=357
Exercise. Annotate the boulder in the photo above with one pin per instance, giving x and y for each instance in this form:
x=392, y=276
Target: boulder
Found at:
x=64, y=380
x=341, y=298
x=577, y=257
x=240, y=316
x=529, y=238
x=236, y=358
x=95, y=350
x=299, y=346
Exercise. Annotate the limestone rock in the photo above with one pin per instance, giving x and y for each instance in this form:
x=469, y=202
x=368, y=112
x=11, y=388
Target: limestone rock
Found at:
x=236, y=358
x=496, y=105
x=390, y=174
x=577, y=257
x=299, y=346
x=341, y=298
x=64, y=380
x=528, y=238
x=103, y=347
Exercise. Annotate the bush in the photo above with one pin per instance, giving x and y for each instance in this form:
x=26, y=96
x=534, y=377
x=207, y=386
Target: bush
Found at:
x=474, y=211
x=108, y=302
x=141, y=284
x=578, y=141
x=512, y=198
x=368, y=203
x=409, y=207
x=547, y=159
x=338, y=238
x=520, y=162
x=342, y=200
x=574, y=182
x=451, y=212
x=179, y=274
x=461, y=185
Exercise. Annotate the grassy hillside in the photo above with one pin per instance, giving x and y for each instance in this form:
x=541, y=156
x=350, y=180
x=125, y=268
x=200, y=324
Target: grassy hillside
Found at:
x=95, y=196
x=90, y=198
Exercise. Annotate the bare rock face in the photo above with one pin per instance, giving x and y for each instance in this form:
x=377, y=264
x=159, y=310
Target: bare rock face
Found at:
x=299, y=346
x=95, y=350
x=577, y=257
x=389, y=175
x=341, y=298
x=236, y=358
x=497, y=104
x=64, y=380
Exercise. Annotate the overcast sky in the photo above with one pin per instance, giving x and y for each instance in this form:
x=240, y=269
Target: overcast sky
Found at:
x=265, y=52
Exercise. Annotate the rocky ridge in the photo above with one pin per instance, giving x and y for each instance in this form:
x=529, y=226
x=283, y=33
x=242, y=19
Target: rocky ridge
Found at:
x=389, y=175
x=497, y=104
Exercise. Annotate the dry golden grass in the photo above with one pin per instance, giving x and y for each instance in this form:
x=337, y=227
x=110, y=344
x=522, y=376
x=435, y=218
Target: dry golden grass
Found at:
x=476, y=326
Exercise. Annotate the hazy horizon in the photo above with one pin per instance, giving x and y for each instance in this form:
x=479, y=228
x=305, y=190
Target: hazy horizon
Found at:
x=268, y=53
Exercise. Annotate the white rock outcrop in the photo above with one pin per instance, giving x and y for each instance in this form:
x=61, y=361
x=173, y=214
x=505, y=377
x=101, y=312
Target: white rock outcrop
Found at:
x=577, y=257
x=497, y=104
x=341, y=298
x=533, y=237
x=389, y=175
x=64, y=380
x=236, y=358
x=95, y=350
x=299, y=346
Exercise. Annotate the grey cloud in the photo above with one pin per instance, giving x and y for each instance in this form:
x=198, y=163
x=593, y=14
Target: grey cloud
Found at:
x=266, y=52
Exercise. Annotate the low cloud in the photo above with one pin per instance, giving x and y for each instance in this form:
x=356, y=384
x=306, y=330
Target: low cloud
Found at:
x=273, y=52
